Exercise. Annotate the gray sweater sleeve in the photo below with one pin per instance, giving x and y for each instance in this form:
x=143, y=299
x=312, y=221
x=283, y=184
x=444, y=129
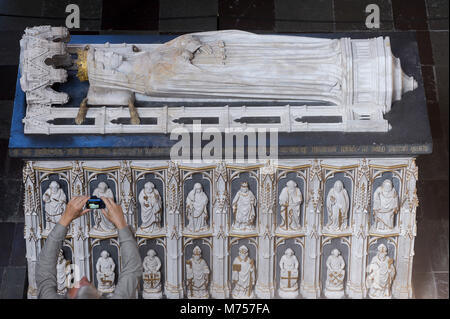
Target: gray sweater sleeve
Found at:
x=46, y=265
x=131, y=272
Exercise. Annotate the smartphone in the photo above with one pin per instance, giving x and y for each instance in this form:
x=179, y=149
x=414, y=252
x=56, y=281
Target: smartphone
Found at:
x=95, y=203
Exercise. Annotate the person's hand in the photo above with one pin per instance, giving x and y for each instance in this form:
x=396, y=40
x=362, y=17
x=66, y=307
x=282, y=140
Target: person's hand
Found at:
x=114, y=213
x=74, y=209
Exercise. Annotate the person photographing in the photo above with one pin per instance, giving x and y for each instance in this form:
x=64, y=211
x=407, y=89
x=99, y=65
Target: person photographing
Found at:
x=46, y=273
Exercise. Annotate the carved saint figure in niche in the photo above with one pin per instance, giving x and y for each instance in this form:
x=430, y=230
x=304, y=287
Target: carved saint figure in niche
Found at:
x=102, y=224
x=197, y=275
x=385, y=206
x=196, y=209
x=152, y=276
x=151, y=207
x=290, y=200
x=244, y=208
x=380, y=274
x=61, y=273
x=243, y=275
x=289, y=275
x=334, y=285
x=105, y=273
x=337, y=207
x=55, y=204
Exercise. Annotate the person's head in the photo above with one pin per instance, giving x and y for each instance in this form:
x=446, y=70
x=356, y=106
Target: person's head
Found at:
x=338, y=186
x=104, y=254
x=387, y=185
x=243, y=251
x=244, y=187
x=149, y=186
x=151, y=253
x=291, y=184
x=102, y=186
x=335, y=252
x=197, y=253
x=198, y=187
x=83, y=289
x=382, y=251
x=54, y=186
x=289, y=252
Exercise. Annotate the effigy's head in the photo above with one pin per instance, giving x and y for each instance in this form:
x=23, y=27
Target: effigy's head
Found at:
x=243, y=251
x=151, y=253
x=291, y=184
x=54, y=186
x=338, y=186
x=244, y=187
x=149, y=186
x=102, y=186
x=289, y=252
x=196, y=253
x=387, y=185
x=382, y=251
x=335, y=252
x=104, y=254
x=198, y=187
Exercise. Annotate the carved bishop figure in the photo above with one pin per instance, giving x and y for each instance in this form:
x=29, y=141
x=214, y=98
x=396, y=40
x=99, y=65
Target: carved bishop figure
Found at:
x=385, y=206
x=152, y=276
x=290, y=200
x=243, y=275
x=196, y=209
x=337, y=207
x=61, y=273
x=197, y=275
x=55, y=204
x=102, y=224
x=380, y=275
x=151, y=207
x=288, y=275
x=105, y=273
x=334, y=285
x=244, y=208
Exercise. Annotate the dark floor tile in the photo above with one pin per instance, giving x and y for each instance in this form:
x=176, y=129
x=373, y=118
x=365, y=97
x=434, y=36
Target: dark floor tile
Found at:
x=13, y=284
x=425, y=49
x=424, y=286
x=437, y=14
x=433, y=198
x=246, y=15
x=5, y=118
x=130, y=15
x=89, y=9
x=10, y=48
x=409, y=15
x=439, y=248
x=441, y=280
x=21, y=7
x=434, y=167
x=18, y=251
x=439, y=42
x=6, y=239
x=429, y=83
x=11, y=195
x=2, y=270
x=8, y=80
x=351, y=15
x=422, y=260
x=304, y=16
x=11, y=168
x=188, y=15
x=442, y=77
x=435, y=118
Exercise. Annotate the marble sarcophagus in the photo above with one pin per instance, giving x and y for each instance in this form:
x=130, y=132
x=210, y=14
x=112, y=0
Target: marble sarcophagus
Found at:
x=330, y=214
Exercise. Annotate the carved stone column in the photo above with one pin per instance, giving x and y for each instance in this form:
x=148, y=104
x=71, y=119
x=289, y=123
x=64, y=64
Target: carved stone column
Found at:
x=219, y=285
x=174, y=278
x=80, y=234
x=356, y=287
x=32, y=230
x=310, y=285
x=126, y=193
x=265, y=287
x=402, y=286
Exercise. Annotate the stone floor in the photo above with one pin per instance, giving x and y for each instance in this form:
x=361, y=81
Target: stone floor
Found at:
x=428, y=18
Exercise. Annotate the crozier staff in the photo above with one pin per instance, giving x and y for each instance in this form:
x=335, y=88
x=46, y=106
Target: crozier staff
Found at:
x=46, y=276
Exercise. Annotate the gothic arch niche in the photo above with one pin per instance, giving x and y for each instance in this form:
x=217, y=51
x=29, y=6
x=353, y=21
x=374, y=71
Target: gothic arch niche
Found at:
x=193, y=287
x=141, y=178
x=379, y=176
x=238, y=178
x=105, y=182
x=45, y=178
x=283, y=177
x=335, y=288
x=159, y=246
x=192, y=178
x=235, y=243
x=332, y=179
x=112, y=247
x=297, y=246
